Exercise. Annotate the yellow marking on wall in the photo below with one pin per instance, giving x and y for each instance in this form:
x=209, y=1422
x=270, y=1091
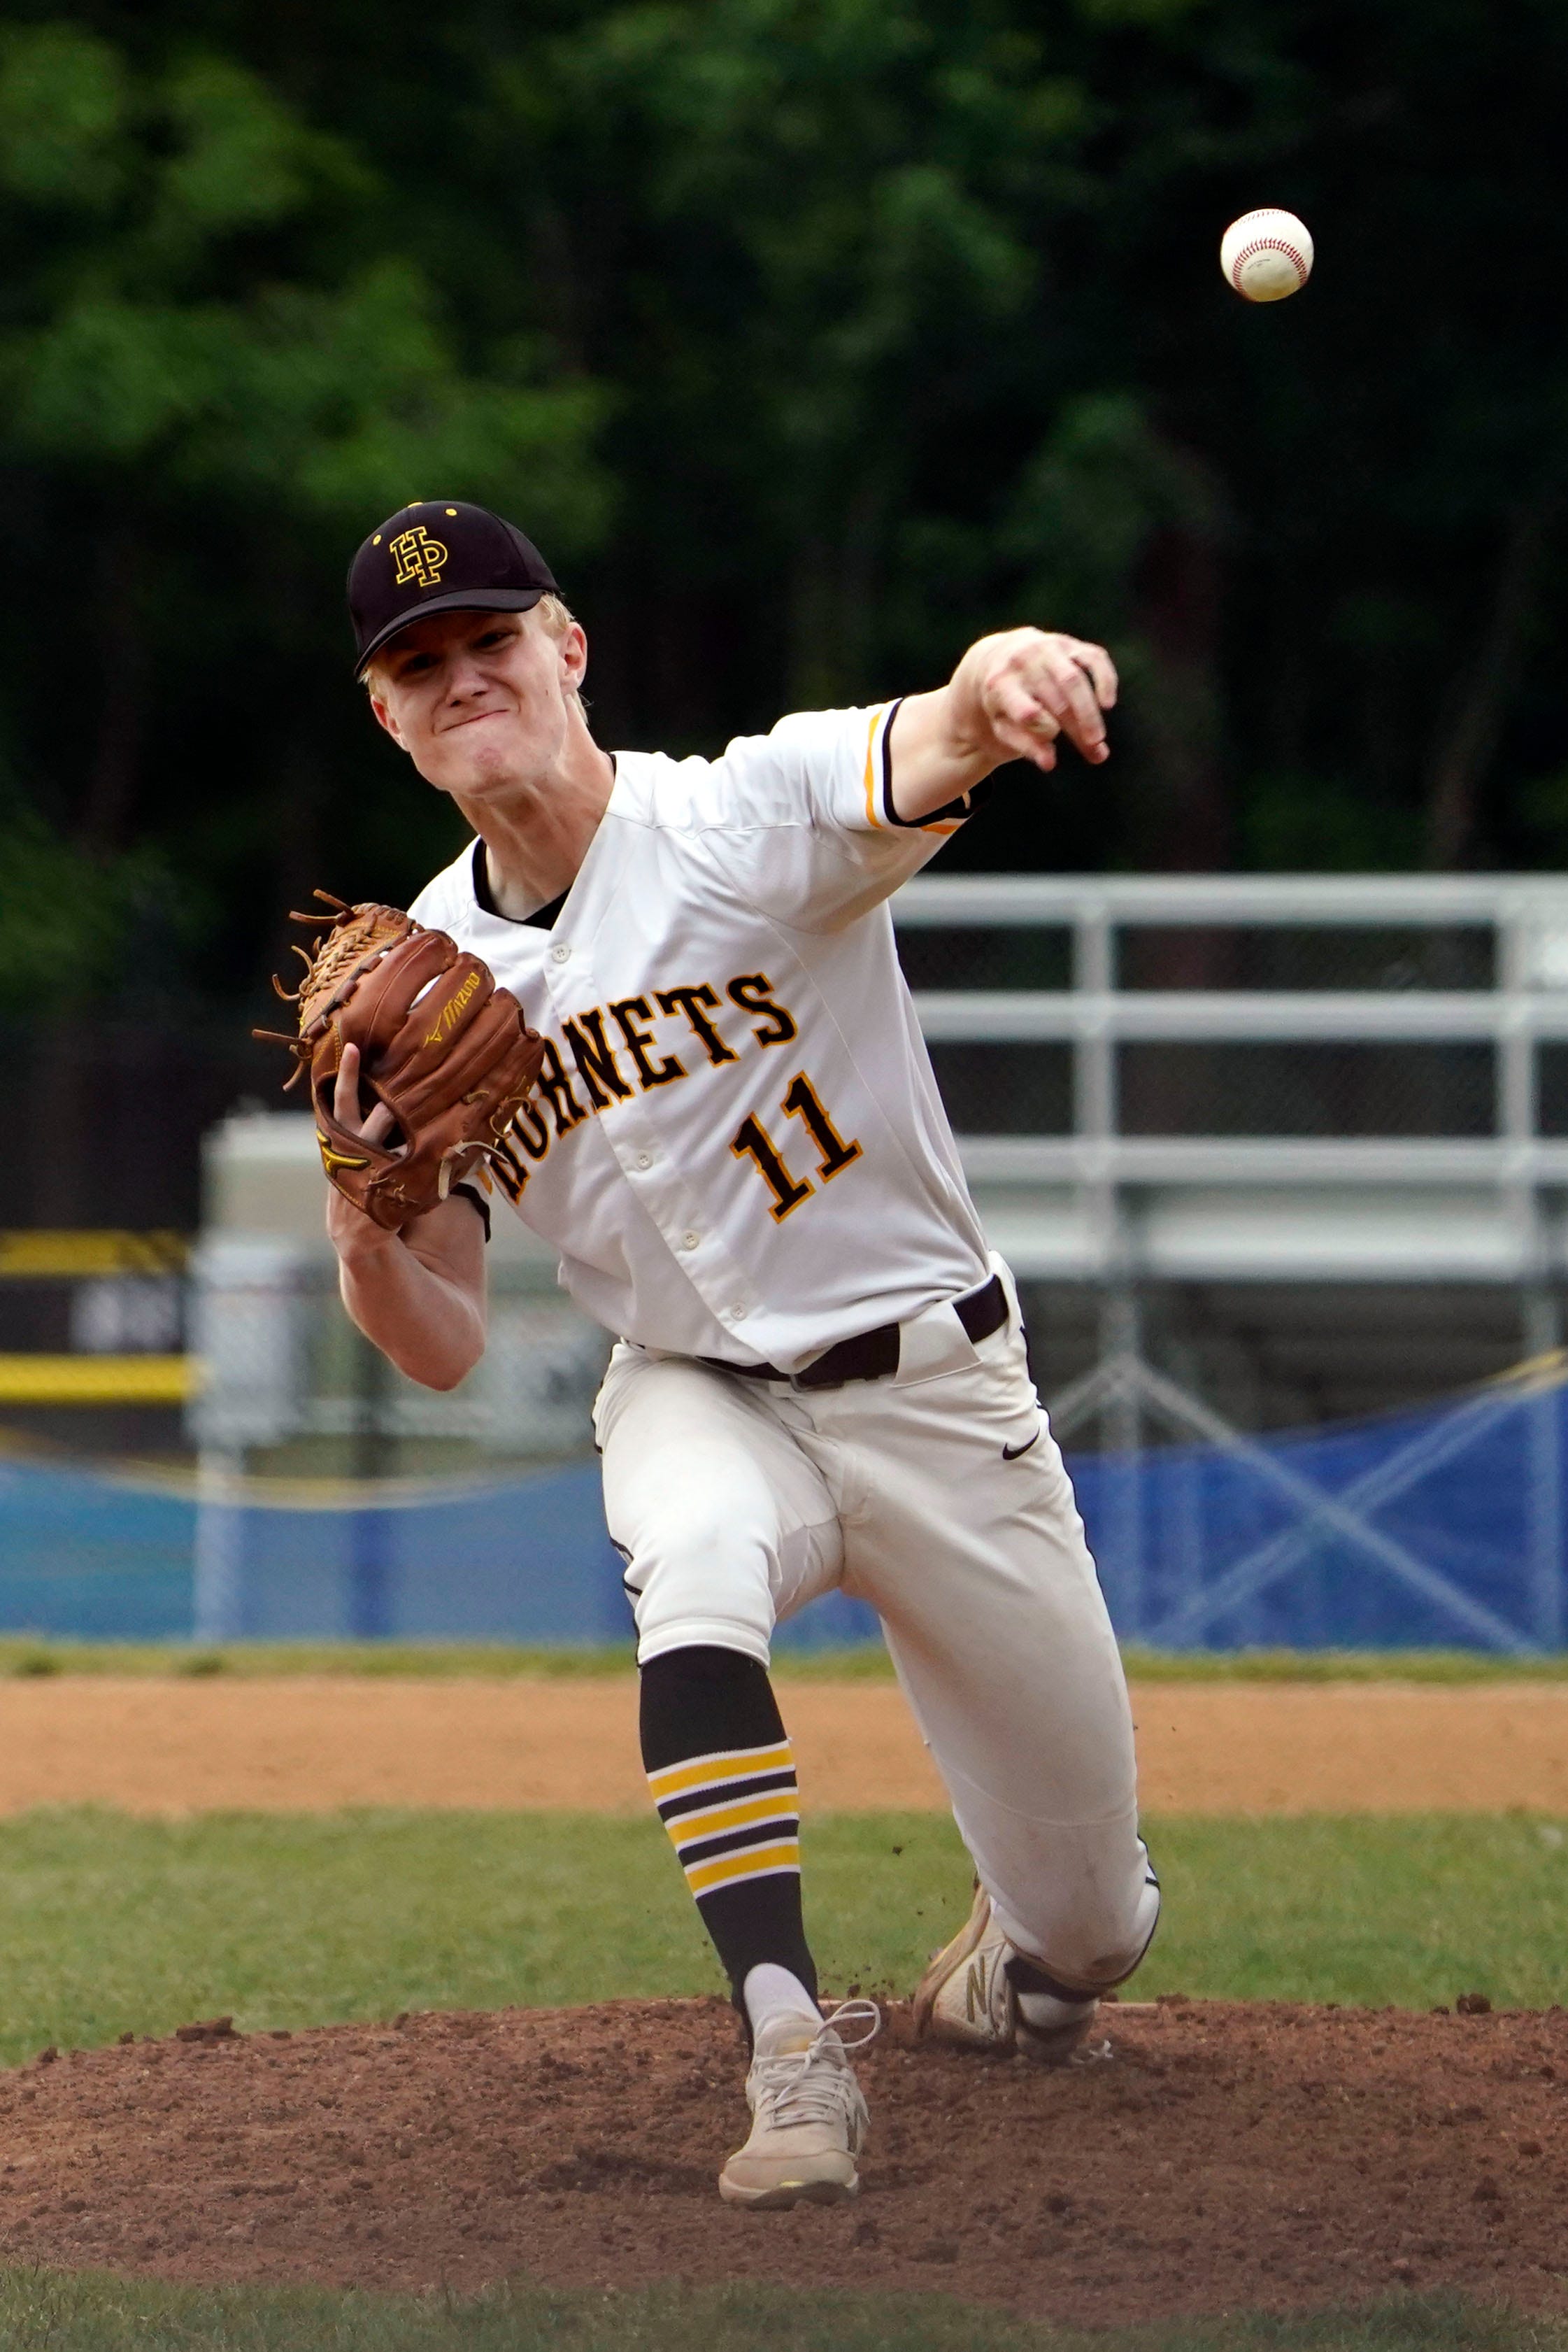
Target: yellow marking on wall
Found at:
x=68, y=1254
x=97, y=1379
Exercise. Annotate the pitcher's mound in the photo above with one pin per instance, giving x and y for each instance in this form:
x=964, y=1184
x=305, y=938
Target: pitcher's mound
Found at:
x=1222, y=2157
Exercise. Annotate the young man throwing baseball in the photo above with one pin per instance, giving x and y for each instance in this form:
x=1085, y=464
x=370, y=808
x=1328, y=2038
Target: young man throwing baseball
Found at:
x=819, y=1379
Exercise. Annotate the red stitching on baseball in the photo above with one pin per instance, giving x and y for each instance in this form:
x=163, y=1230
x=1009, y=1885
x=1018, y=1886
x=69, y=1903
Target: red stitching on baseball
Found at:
x=1267, y=244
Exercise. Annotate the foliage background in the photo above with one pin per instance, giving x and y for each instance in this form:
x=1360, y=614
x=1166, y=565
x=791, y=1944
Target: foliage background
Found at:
x=810, y=338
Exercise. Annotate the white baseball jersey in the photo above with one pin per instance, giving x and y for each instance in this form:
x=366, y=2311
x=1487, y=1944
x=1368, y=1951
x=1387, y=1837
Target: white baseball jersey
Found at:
x=737, y=1143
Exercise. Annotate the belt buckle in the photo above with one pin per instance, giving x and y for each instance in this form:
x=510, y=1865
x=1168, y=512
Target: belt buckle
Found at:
x=872, y=1354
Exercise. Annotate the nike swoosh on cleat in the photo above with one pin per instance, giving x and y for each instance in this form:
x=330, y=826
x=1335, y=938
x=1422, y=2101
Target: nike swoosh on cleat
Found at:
x=1011, y=1453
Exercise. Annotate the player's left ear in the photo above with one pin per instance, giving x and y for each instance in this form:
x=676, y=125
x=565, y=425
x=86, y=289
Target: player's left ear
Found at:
x=572, y=652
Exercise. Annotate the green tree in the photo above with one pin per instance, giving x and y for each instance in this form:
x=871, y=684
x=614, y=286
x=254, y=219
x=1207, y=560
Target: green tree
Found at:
x=868, y=276
x=811, y=337
x=215, y=372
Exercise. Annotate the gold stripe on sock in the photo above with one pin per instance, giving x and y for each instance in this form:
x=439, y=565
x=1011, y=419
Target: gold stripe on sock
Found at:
x=751, y=1862
x=691, y=1829
x=725, y=1764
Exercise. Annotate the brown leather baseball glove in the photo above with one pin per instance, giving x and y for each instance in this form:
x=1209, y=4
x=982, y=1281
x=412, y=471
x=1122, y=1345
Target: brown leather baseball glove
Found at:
x=445, y=1050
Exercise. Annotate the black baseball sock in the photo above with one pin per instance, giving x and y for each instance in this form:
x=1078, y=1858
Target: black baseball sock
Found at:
x=722, y=1778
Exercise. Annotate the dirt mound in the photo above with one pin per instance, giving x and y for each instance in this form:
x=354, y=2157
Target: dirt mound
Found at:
x=1223, y=2157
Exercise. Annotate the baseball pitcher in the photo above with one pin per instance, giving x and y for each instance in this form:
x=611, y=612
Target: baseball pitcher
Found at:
x=734, y=1140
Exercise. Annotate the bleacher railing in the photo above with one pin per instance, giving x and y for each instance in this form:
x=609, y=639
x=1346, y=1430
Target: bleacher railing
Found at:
x=1521, y=926
x=1461, y=1098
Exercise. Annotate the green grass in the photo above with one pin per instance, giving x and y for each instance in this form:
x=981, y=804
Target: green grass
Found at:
x=1340, y=1666
x=51, y=2312
x=110, y=1925
x=1411, y=1909
x=24, y=1656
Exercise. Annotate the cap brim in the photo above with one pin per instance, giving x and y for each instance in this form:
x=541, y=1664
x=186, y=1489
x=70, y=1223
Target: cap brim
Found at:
x=462, y=600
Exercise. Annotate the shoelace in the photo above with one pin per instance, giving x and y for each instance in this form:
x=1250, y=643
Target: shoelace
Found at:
x=814, y=2085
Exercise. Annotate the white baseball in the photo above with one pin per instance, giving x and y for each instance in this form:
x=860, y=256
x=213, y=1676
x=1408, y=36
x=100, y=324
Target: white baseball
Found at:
x=1267, y=254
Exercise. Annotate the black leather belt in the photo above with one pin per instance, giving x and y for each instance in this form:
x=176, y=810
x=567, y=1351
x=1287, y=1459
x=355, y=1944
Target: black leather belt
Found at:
x=873, y=1355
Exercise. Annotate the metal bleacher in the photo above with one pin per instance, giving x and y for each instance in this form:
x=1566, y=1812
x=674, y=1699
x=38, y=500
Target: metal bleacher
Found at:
x=1456, y=1174
x=1329, y=1114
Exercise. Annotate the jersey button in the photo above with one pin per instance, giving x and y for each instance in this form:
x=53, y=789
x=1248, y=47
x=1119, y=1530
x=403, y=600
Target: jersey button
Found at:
x=690, y=1239
x=737, y=1312
x=560, y=952
x=644, y=1159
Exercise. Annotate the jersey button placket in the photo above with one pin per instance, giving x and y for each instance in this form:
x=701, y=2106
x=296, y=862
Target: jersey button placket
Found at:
x=652, y=1171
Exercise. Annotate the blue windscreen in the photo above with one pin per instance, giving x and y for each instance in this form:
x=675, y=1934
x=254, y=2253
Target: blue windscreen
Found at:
x=1438, y=1528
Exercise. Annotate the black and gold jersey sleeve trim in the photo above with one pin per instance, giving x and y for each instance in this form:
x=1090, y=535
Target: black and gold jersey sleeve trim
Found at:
x=945, y=818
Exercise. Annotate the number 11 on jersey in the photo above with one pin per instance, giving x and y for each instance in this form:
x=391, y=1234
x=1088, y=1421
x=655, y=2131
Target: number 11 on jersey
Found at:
x=752, y=1142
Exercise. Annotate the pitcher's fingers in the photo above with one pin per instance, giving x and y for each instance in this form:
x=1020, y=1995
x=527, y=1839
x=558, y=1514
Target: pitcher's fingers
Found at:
x=1102, y=671
x=1021, y=722
x=1035, y=743
x=379, y=1125
x=1066, y=686
x=1016, y=701
x=346, y=1090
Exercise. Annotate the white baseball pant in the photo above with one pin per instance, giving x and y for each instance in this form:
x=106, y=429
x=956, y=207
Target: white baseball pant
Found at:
x=938, y=1496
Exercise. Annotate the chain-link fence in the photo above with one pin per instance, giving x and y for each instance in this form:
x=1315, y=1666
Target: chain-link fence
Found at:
x=1301, y=1089
x=1430, y=1528
x=1306, y=957
x=290, y=1387
x=119, y=1106
x=1298, y=1088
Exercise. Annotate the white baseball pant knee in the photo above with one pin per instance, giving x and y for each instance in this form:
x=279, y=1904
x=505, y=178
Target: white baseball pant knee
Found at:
x=1092, y=1939
x=725, y=1525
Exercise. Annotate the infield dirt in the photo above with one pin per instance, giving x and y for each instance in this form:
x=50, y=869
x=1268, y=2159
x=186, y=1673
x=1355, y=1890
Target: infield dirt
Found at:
x=1223, y=2158
x=313, y=1743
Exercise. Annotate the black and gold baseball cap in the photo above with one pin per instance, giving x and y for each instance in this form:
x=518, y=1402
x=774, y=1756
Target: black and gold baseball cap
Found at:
x=440, y=555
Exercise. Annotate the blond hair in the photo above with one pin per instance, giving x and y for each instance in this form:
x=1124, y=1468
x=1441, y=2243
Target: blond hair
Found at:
x=555, y=614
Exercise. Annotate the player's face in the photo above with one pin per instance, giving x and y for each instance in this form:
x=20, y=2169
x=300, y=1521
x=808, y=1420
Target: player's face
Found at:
x=480, y=701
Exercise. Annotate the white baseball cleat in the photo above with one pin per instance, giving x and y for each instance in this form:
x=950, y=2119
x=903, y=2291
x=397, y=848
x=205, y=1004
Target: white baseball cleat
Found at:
x=967, y=1996
x=809, y=2119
